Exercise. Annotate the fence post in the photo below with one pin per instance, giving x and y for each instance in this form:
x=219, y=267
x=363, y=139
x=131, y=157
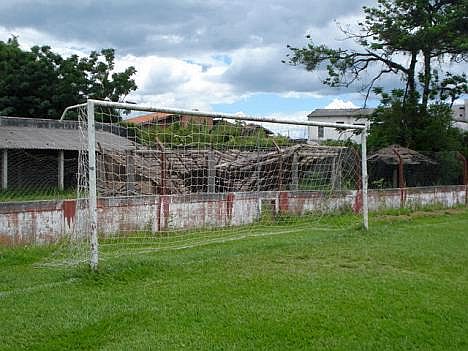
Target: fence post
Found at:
x=465, y=175
x=94, y=259
x=465, y=168
x=401, y=178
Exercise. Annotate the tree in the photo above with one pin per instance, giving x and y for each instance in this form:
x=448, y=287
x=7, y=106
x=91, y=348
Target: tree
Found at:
x=41, y=83
x=410, y=38
x=431, y=131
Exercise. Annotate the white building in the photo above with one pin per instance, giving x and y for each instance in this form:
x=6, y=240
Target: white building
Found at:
x=460, y=115
x=360, y=116
x=357, y=116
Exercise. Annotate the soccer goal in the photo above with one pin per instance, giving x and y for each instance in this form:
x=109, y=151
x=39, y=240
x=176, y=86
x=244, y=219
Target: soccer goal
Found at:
x=153, y=178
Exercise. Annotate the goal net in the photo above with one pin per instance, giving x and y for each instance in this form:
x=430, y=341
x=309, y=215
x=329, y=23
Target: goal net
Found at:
x=153, y=179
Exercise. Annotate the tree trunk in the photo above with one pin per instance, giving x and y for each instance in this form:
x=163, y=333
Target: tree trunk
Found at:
x=411, y=83
x=427, y=78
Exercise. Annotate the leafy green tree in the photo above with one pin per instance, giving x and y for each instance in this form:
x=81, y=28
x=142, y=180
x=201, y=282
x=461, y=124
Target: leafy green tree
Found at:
x=41, y=83
x=429, y=129
x=410, y=38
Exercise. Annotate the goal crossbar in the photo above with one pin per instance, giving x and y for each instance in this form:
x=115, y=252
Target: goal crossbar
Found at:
x=127, y=106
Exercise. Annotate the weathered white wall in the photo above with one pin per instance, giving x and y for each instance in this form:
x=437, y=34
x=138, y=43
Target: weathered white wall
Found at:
x=333, y=133
x=41, y=222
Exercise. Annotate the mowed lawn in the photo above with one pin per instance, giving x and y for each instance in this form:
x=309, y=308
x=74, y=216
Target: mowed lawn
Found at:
x=401, y=286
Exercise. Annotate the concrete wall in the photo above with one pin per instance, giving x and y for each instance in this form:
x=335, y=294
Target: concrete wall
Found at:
x=333, y=133
x=460, y=112
x=41, y=222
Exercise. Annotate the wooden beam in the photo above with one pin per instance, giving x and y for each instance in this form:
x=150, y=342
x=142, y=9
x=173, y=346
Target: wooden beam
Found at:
x=295, y=173
x=211, y=172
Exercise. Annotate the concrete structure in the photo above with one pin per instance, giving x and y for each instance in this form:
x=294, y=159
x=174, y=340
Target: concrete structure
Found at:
x=360, y=116
x=460, y=115
x=356, y=116
x=43, y=152
x=42, y=222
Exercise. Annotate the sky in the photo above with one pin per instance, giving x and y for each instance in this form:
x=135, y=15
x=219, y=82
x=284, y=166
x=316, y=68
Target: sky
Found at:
x=210, y=55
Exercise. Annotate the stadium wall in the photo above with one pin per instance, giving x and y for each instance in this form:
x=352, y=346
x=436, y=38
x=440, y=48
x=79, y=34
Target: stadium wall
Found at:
x=42, y=222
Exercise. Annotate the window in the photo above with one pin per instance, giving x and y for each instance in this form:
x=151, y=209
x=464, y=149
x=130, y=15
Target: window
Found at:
x=320, y=132
x=339, y=122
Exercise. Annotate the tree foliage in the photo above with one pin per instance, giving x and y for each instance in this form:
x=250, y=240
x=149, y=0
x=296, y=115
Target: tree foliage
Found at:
x=413, y=126
x=41, y=83
x=410, y=38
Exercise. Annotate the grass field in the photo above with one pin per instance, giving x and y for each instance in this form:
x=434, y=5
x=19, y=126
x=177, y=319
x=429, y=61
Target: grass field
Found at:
x=401, y=286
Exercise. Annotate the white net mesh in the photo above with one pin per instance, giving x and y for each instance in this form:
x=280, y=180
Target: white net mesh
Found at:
x=168, y=181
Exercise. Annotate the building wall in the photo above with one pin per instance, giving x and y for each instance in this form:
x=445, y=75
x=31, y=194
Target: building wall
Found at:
x=42, y=222
x=333, y=133
x=460, y=115
x=460, y=112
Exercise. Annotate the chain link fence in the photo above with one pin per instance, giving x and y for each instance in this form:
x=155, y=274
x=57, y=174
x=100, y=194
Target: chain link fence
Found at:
x=29, y=174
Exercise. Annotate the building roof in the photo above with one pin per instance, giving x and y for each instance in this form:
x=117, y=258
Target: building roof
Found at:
x=152, y=117
x=31, y=133
x=158, y=116
x=392, y=154
x=342, y=112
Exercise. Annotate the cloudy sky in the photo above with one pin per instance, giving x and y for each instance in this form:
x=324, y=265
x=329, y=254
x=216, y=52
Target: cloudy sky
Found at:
x=213, y=55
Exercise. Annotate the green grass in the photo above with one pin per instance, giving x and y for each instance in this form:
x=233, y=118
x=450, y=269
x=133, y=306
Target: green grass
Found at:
x=13, y=195
x=401, y=286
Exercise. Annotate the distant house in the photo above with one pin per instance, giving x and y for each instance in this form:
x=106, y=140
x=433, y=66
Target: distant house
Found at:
x=166, y=119
x=460, y=115
x=357, y=116
x=361, y=116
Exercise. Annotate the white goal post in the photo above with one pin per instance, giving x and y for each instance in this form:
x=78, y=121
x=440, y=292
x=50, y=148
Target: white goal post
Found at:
x=89, y=109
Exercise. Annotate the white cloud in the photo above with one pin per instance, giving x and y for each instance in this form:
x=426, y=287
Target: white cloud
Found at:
x=339, y=104
x=260, y=69
x=29, y=37
x=300, y=95
x=172, y=82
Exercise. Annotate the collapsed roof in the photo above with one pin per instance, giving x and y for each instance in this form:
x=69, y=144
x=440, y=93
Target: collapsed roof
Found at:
x=392, y=154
